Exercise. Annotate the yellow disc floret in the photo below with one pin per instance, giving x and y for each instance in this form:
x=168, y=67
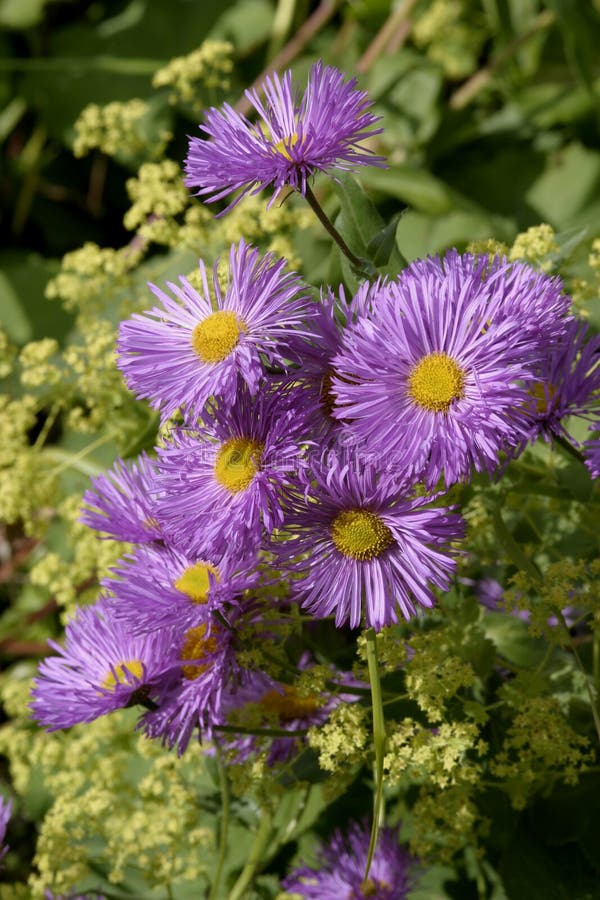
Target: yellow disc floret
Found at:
x=436, y=382
x=195, y=581
x=123, y=673
x=237, y=462
x=289, y=705
x=197, y=646
x=217, y=336
x=360, y=534
x=285, y=144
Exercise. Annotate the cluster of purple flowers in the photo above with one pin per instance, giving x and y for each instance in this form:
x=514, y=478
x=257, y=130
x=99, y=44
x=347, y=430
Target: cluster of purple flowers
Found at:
x=309, y=442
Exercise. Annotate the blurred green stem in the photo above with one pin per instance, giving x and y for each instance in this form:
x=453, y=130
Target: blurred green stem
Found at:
x=378, y=742
x=282, y=23
x=255, y=857
x=224, y=830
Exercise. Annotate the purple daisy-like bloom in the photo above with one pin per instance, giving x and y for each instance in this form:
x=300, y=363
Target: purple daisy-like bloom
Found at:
x=102, y=667
x=221, y=486
x=5, y=813
x=591, y=452
x=156, y=587
x=431, y=379
x=207, y=664
x=193, y=348
x=515, y=289
x=293, y=139
x=340, y=870
x=120, y=502
x=380, y=547
x=284, y=707
x=315, y=402
x=568, y=382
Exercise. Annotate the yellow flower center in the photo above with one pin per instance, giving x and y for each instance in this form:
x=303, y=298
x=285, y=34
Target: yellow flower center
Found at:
x=436, y=381
x=285, y=144
x=215, y=337
x=124, y=673
x=195, y=581
x=543, y=394
x=360, y=534
x=289, y=705
x=197, y=646
x=237, y=462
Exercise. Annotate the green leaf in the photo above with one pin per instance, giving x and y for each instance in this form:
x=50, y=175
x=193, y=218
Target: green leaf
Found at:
x=512, y=639
x=362, y=227
x=382, y=246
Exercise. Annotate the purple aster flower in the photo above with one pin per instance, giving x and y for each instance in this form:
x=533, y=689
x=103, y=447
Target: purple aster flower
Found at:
x=220, y=486
x=315, y=402
x=568, y=382
x=379, y=548
x=207, y=666
x=120, y=503
x=193, y=348
x=5, y=813
x=430, y=380
x=284, y=708
x=156, y=587
x=340, y=870
x=519, y=291
x=102, y=667
x=591, y=452
x=293, y=139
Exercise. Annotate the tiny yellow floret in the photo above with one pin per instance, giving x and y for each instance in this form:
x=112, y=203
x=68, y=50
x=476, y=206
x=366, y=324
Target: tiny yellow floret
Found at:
x=124, y=673
x=195, y=581
x=197, y=646
x=217, y=336
x=237, y=462
x=285, y=145
x=289, y=705
x=360, y=534
x=436, y=382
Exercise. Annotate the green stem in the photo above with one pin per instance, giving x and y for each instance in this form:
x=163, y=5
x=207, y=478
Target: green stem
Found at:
x=282, y=23
x=357, y=263
x=68, y=460
x=224, y=830
x=261, y=732
x=378, y=742
x=568, y=448
x=255, y=857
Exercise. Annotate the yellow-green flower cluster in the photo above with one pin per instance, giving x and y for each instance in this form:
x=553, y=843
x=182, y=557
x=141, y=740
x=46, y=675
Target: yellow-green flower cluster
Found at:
x=8, y=353
x=536, y=246
x=89, y=277
x=540, y=746
x=342, y=741
x=37, y=367
x=114, y=128
x=444, y=823
x=146, y=816
x=209, y=66
x=28, y=491
x=439, y=756
x=434, y=673
x=158, y=195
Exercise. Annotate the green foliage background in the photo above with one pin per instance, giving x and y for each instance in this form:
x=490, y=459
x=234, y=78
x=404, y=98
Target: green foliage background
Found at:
x=491, y=118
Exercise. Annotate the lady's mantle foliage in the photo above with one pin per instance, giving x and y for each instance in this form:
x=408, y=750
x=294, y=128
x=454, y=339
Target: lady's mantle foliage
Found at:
x=293, y=139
